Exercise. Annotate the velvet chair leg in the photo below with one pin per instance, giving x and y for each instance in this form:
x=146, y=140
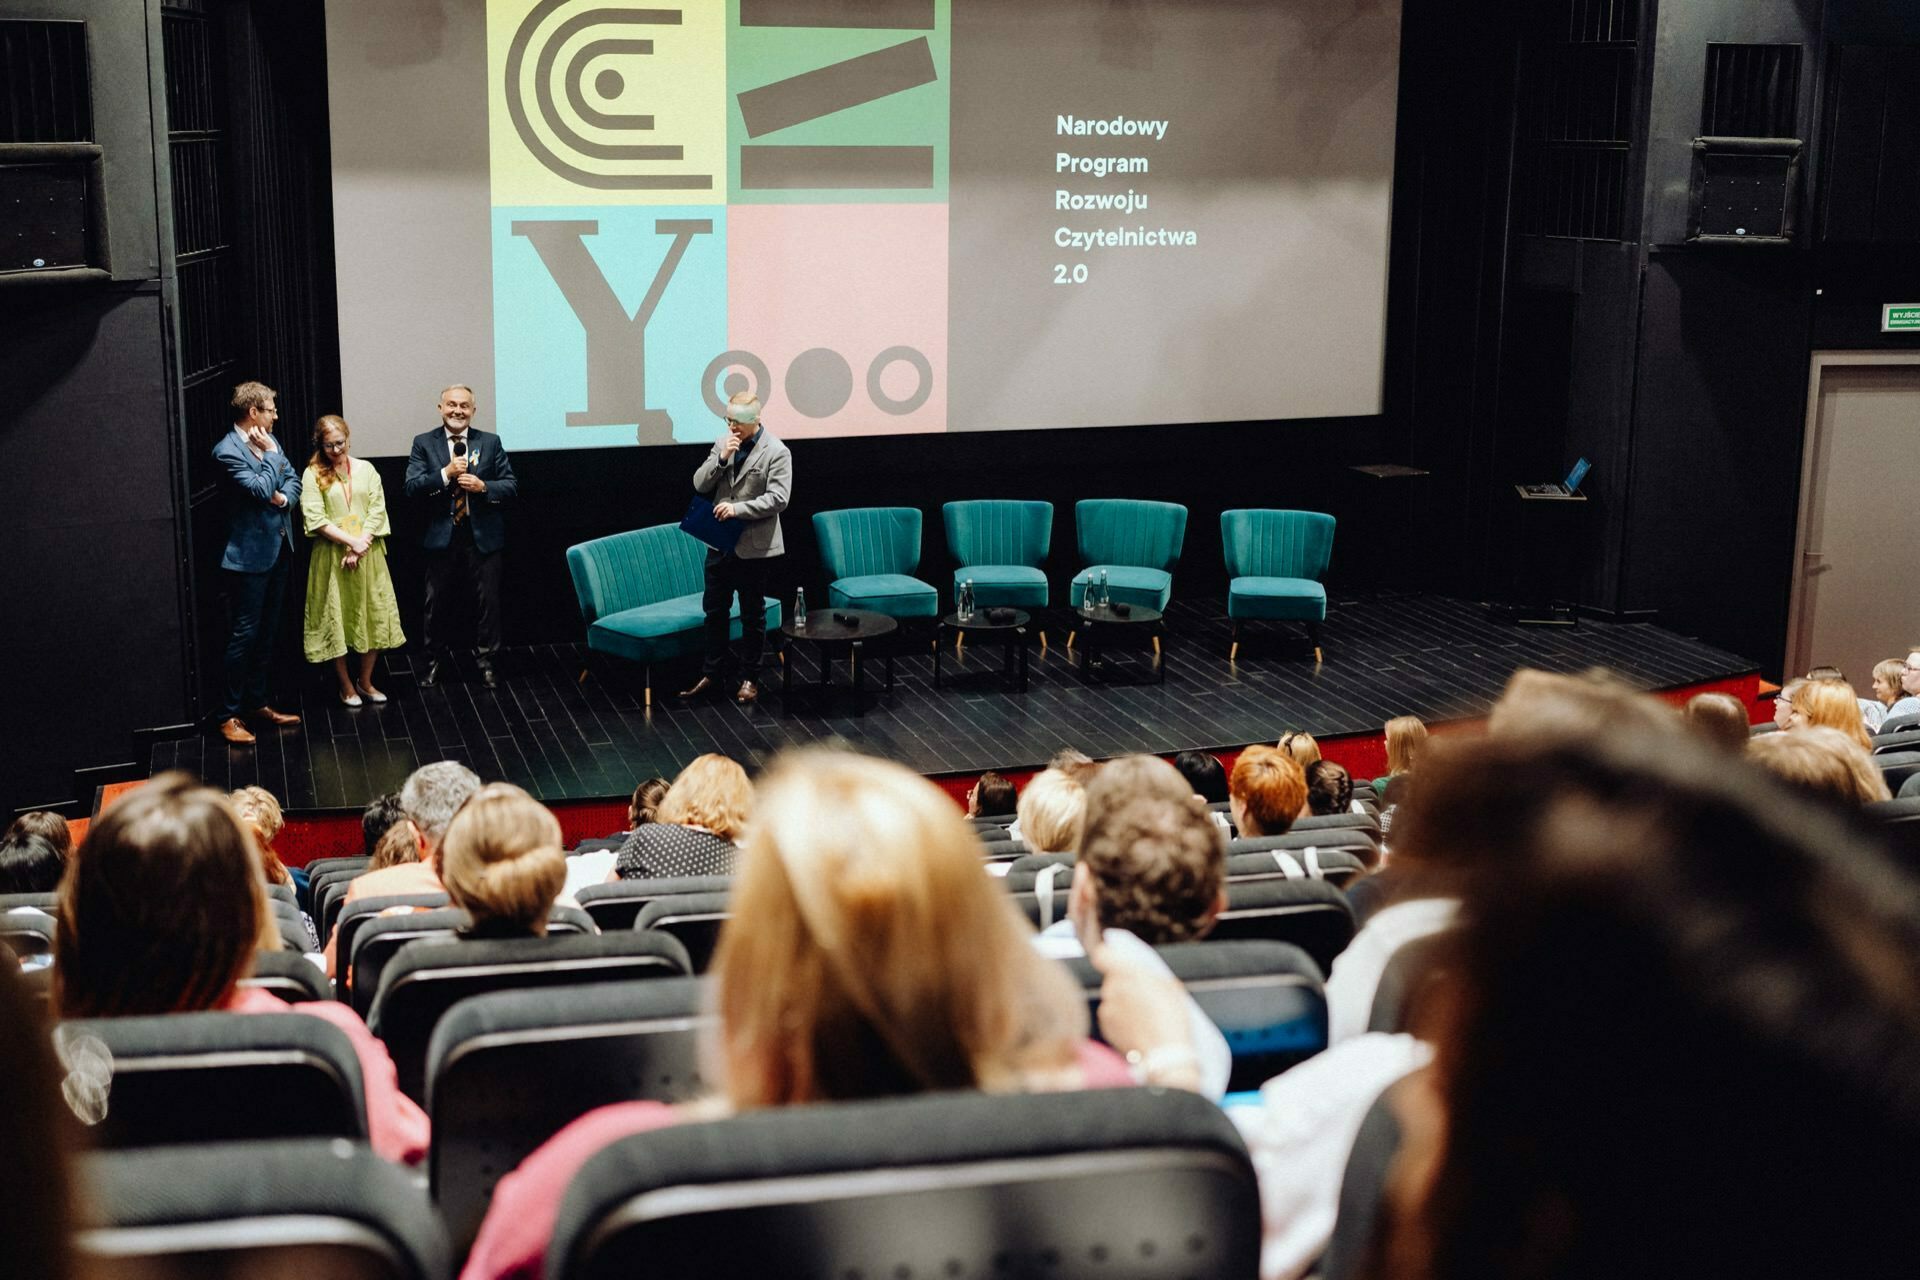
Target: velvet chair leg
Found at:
x=648, y=677
x=1233, y=653
x=1313, y=634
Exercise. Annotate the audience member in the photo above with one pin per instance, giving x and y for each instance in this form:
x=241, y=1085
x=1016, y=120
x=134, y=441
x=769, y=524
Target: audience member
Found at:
x=1053, y=813
x=1908, y=704
x=1300, y=746
x=29, y=863
x=502, y=862
x=260, y=813
x=1329, y=788
x=992, y=796
x=41, y=822
x=432, y=794
x=1268, y=791
x=1783, y=702
x=395, y=847
x=1872, y=710
x=1719, y=718
x=1205, y=774
x=697, y=827
x=1150, y=860
x=36, y=1190
x=1671, y=979
x=867, y=957
x=1830, y=703
x=1888, y=677
x=379, y=818
x=646, y=799
x=1406, y=738
x=161, y=912
x=1077, y=765
x=1822, y=763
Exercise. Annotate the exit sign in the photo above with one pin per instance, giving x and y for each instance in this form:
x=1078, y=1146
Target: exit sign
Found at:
x=1900, y=317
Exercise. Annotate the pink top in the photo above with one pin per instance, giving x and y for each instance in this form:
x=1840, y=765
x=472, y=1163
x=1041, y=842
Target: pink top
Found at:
x=401, y=879
x=513, y=1239
x=396, y=1126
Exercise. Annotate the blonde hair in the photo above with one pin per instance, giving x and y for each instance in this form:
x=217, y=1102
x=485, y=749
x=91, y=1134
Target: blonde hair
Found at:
x=1300, y=745
x=1822, y=762
x=1406, y=735
x=1893, y=671
x=712, y=792
x=1053, y=812
x=397, y=846
x=502, y=860
x=1832, y=704
x=260, y=813
x=868, y=956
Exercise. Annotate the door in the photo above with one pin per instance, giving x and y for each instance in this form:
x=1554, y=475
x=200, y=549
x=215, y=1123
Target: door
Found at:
x=1854, y=598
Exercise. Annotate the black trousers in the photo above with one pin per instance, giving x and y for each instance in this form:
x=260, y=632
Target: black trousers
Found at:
x=725, y=576
x=254, y=604
x=460, y=572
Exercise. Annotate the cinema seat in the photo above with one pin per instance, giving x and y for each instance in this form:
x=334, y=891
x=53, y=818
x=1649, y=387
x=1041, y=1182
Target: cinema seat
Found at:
x=639, y=596
x=694, y=918
x=870, y=555
x=1311, y=914
x=1337, y=866
x=1360, y=841
x=1137, y=543
x=495, y=1061
x=1002, y=546
x=293, y=978
x=311, y=1207
x=962, y=1184
x=1275, y=560
x=383, y=938
x=614, y=905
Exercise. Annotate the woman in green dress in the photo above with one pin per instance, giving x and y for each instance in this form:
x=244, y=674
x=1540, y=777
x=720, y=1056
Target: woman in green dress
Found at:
x=350, y=601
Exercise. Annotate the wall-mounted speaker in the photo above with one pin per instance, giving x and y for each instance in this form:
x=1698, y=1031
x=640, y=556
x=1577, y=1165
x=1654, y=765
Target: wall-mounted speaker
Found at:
x=1743, y=191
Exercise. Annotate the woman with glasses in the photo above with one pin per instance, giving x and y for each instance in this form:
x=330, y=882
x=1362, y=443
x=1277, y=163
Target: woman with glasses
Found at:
x=350, y=600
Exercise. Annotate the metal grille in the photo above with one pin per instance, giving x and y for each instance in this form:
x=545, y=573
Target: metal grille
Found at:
x=199, y=147
x=45, y=92
x=1603, y=21
x=1752, y=91
x=1574, y=135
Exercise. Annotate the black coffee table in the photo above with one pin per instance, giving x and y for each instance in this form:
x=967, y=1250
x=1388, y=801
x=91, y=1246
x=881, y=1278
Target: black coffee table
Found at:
x=1094, y=627
x=825, y=630
x=1012, y=633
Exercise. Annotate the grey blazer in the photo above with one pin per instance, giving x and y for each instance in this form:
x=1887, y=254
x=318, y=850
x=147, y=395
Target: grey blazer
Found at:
x=759, y=492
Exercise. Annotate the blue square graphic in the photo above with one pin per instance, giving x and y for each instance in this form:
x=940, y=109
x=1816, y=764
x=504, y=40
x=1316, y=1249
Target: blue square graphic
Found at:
x=576, y=364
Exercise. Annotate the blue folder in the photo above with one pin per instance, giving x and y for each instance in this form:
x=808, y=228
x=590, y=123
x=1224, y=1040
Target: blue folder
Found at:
x=721, y=535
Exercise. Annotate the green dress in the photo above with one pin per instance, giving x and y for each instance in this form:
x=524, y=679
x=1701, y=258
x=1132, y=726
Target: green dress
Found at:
x=348, y=608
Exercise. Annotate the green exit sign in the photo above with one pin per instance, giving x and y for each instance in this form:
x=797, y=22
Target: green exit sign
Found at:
x=1900, y=317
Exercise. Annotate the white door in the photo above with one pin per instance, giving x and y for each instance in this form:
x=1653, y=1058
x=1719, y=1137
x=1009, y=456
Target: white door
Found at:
x=1855, y=596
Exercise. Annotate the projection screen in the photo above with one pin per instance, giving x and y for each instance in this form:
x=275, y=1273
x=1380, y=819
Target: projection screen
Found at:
x=884, y=216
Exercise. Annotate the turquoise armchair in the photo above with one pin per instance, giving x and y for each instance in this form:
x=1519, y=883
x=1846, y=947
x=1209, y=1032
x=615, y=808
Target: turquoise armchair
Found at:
x=639, y=596
x=1137, y=543
x=1275, y=560
x=1003, y=547
x=870, y=554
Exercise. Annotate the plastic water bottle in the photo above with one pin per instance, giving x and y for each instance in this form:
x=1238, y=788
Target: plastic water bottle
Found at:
x=966, y=601
x=800, y=609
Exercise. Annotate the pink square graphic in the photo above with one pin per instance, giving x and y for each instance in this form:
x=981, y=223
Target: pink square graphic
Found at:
x=832, y=298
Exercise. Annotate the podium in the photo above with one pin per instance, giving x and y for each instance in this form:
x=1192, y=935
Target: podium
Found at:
x=1547, y=525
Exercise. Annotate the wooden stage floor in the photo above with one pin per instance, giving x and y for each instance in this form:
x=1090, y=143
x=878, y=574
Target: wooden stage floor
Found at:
x=1385, y=655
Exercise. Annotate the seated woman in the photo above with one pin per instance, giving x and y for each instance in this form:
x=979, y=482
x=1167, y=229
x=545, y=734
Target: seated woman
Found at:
x=1830, y=704
x=1300, y=745
x=162, y=911
x=260, y=813
x=697, y=827
x=1329, y=788
x=1823, y=764
x=1406, y=738
x=502, y=862
x=1053, y=812
x=867, y=957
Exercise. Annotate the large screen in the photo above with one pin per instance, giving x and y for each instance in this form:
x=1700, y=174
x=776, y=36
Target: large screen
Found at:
x=883, y=216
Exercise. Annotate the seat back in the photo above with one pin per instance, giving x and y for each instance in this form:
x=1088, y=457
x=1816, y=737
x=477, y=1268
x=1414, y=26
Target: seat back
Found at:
x=1887, y=743
x=859, y=541
x=613, y=906
x=1311, y=914
x=1900, y=724
x=429, y=977
x=508, y=1070
x=380, y=940
x=1264, y=543
x=1369, y=821
x=1266, y=998
x=308, y=1207
x=221, y=1077
x=328, y=891
x=942, y=1184
x=1363, y=1193
x=1130, y=531
x=1359, y=841
x=997, y=531
x=357, y=914
x=44, y=901
x=627, y=570
x=283, y=893
x=28, y=931
x=1336, y=866
x=1412, y=971
x=1898, y=766
x=695, y=919
x=293, y=978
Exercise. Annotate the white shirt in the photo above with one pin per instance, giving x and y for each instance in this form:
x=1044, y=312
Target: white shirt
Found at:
x=1301, y=1135
x=1357, y=970
x=473, y=452
x=584, y=869
x=1059, y=942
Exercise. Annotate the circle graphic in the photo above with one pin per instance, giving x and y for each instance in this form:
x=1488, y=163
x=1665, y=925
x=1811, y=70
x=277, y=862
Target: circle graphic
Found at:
x=878, y=394
x=819, y=382
x=726, y=360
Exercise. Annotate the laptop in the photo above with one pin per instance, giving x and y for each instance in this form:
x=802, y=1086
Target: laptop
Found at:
x=1566, y=489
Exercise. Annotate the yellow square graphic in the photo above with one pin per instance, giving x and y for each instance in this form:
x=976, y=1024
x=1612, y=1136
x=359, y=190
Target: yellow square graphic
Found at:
x=589, y=103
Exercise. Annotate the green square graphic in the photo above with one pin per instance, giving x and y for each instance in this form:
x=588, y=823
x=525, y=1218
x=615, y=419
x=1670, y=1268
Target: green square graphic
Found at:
x=820, y=114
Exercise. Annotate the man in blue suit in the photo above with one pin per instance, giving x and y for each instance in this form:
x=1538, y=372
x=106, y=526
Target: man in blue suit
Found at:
x=262, y=490
x=463, y=476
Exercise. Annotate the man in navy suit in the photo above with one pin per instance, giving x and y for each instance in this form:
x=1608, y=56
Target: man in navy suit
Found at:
x=463, y=477
x=262, y=489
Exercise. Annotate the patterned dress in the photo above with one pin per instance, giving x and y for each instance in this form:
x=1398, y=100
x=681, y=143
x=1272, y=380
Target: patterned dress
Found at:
x=348, y=608
x=664, y=849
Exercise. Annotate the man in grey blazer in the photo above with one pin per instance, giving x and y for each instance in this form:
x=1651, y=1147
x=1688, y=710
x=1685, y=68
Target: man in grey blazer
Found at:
x=749, y=477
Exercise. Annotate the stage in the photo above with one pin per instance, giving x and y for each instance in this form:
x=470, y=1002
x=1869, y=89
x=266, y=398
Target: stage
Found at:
x=567, y=740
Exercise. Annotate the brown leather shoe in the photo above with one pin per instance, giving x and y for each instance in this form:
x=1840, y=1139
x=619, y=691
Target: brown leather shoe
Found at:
x=700, y=688
x=267, y=715
x=747, y=694
x=236, y=733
